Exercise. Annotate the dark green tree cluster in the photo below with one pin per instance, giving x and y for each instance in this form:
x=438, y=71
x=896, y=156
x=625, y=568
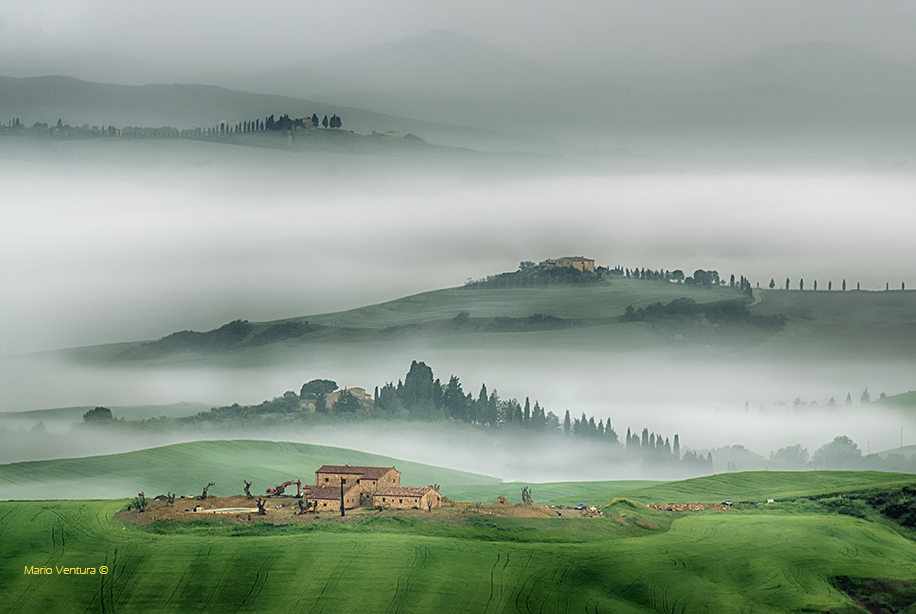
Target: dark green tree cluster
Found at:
x=707, y=279
x=531, y=274
x=650, y=275
x=717, y=312
x=421, y=396
x=653, y=449
x=586, y=427
x=97, y=414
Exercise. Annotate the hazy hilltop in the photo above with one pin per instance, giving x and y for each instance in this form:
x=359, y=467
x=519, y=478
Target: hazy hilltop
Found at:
x=76, y=102
x=805, y=99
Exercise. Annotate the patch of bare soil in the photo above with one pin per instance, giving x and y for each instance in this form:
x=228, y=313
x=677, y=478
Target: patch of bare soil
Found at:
x=285, y=510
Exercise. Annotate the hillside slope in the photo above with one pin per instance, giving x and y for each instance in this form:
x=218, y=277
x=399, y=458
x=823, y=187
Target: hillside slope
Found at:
x=186, y=468
x=75, y=102
x=758, y=560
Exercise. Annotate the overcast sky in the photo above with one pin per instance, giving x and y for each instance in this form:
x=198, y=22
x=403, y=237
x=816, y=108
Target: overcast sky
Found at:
x=625, y=36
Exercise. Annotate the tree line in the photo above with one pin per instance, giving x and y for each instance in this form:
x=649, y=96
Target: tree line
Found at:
x=421, y=397
x=222, y=129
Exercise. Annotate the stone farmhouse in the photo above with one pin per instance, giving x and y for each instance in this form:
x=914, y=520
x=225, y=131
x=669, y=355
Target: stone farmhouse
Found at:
x=367, y=486
x=576, y=262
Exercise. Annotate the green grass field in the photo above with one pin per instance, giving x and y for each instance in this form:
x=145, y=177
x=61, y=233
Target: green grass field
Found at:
x=186, y=468
x=549, y=493
x=763, y=560
x=762, y=485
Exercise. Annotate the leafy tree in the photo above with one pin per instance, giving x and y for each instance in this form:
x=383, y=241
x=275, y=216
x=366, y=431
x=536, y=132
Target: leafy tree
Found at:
x=829, y=286
x=801, y=284
x=346, y=403
x=312, y=389
x=676, y=448
x=455, y=401
x=98, y=414
x=324, y=122
x=419, y=395
x=841, y=453
x=848, y=399
x=567, y=424
x=321, y=403
x=844, y=285
x=791, y=456
x=772, y=283
x=388, y=400
x=865, y=398
x=787, y=283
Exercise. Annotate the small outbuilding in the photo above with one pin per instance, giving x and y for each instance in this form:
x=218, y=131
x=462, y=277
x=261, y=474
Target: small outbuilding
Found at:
x=407, y=497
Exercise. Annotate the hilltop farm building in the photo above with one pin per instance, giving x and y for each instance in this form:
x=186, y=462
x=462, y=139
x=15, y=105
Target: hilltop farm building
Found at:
x=576, y=262
x=365, y=487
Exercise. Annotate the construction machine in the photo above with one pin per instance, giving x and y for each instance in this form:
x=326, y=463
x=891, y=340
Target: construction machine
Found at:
x=277, y=491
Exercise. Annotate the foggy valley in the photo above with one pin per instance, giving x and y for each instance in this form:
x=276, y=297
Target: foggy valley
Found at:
x=692, y=222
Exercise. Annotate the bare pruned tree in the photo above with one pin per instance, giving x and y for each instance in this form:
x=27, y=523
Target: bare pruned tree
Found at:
x=170, y=499
x=247, y=486
x=526, y=496
x=206, y=488
x=261, y=507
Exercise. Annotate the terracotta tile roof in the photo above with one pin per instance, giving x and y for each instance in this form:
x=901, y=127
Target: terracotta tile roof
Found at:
x=403, y=491
x=369, y=473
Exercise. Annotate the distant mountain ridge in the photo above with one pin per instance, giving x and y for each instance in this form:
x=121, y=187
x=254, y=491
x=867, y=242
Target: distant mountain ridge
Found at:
x=807, y=99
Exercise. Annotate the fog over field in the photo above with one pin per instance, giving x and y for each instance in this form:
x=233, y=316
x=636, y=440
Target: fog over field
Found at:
x=96, y=255
x=641, y=134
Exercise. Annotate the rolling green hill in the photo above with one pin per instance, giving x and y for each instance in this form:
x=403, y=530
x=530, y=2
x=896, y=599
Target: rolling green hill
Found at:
x=760, y=560
x=872, y=324
x=585, y=314
x=762, y=485
x=186, y=468
x=583, y=317
x=70, y=415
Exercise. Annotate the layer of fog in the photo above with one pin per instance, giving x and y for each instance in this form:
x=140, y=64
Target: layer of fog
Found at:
x=173, y=42
x=709, y=403
x=96, y=256
x=502, y=454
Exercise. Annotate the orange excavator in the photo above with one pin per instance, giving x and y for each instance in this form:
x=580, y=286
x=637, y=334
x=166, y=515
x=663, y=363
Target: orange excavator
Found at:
x=278, y=490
